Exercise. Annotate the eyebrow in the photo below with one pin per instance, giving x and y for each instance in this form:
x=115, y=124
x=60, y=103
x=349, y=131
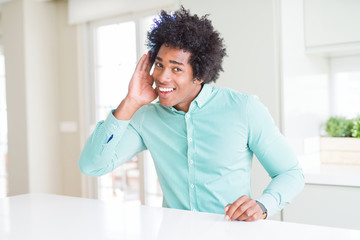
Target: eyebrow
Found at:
x=171, y=61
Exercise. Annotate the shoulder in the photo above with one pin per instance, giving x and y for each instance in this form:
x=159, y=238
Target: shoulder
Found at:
x=231, y=95
x=248, y=104
x=257, y=111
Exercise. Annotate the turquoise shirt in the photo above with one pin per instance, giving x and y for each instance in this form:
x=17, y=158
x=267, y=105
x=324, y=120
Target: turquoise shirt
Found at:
x=203, y=157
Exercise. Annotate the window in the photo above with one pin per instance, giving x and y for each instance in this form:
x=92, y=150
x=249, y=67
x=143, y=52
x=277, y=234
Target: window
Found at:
x=116, y=47
x=115, y=60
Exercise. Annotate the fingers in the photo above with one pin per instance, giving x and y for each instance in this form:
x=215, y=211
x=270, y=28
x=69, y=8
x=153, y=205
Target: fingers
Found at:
x=140, y=65
x=148, y=63
x=243, y=209
x=144, y=64
x=256, y=216
x=234, y=206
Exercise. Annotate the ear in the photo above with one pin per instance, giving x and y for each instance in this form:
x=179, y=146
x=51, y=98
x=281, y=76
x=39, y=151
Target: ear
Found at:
x=198, y=81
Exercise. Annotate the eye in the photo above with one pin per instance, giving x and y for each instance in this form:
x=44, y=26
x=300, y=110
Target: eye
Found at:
x=157, y=64
x=177, y=69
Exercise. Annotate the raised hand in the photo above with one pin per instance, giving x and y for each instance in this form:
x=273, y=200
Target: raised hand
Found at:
x=140, y=90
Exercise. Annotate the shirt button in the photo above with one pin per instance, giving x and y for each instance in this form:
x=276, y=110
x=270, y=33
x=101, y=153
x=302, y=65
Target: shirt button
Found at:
x=194, y=210
x=191, y=161
x=114, y=126
x=187, y=116
x=192, y=185
x=190, y=139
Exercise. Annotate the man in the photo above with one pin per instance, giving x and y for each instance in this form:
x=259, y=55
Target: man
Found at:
x=201, y=137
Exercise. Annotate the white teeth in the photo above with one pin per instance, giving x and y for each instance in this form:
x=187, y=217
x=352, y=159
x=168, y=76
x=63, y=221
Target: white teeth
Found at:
x=165, y=89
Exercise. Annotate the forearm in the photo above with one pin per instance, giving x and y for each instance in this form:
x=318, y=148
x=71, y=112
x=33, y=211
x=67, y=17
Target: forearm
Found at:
x=282, y=190
x=98, y=154
x=282, y=164
x=113, y=142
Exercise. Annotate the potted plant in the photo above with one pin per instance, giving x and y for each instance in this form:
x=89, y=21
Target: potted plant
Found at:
x=342, y=145
x=355, y=131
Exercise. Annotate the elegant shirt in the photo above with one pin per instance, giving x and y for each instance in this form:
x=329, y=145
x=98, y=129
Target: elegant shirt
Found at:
x=203, y=158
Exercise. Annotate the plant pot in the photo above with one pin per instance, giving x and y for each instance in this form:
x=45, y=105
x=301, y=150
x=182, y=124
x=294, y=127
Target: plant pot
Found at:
x=340, y=150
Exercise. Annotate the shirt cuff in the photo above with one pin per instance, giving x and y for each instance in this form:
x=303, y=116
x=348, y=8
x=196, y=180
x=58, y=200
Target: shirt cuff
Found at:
x=270, y=204
x=113, y=125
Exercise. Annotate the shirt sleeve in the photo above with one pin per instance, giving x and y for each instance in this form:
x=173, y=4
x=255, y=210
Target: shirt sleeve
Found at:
x=275, y=155
x=112, y=143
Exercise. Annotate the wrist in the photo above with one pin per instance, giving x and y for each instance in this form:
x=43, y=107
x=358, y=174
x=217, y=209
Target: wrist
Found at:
x=126, y=109
x=263, y=209
x=131, y=103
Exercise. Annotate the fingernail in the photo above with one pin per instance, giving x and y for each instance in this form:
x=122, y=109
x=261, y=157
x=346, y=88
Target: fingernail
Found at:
x=227, y=217
x=226, y=209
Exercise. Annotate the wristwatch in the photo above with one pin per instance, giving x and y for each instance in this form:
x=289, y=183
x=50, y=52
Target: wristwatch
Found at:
x=263, y=209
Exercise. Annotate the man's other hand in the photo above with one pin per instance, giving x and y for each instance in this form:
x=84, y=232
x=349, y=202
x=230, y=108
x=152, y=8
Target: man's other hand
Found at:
x=243, y=209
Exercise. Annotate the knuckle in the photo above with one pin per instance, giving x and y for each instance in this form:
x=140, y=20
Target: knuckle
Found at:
x=244, y=197
x=236, y=203
x=242, y=208
x=230, y=211
x=249, y=212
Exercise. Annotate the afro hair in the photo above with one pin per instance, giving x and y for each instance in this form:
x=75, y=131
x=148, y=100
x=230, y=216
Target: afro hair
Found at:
x=193, y=34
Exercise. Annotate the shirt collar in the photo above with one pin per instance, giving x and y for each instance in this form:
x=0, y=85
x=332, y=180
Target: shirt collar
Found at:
x=201, y=98
x=204, y=95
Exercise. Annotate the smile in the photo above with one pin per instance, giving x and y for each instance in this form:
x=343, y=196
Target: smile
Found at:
x=164, y=91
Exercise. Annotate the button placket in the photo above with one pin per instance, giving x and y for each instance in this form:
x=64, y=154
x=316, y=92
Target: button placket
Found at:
x=190, y=153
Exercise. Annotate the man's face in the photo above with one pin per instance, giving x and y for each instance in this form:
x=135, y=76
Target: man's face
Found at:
x=174, y=80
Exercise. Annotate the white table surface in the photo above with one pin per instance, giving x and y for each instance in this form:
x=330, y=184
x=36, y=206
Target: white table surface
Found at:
x=42, y=216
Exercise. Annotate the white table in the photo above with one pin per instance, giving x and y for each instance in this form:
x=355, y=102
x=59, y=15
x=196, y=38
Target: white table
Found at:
x=42, y=216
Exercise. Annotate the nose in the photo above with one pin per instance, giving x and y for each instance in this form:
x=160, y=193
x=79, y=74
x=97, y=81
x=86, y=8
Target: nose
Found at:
x=163, y=76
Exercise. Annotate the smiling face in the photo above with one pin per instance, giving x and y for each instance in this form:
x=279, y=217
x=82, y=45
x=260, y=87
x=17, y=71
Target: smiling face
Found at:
x=174, y=79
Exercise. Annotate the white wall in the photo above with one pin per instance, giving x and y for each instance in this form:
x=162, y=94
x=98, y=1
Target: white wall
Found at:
x=13, y=39
x=69, y=69
x=42, y=101
x=81, y=11
x=42, y=79
x=305, y=80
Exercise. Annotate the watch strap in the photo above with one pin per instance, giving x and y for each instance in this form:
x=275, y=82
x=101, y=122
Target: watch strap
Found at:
x=263, y=209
